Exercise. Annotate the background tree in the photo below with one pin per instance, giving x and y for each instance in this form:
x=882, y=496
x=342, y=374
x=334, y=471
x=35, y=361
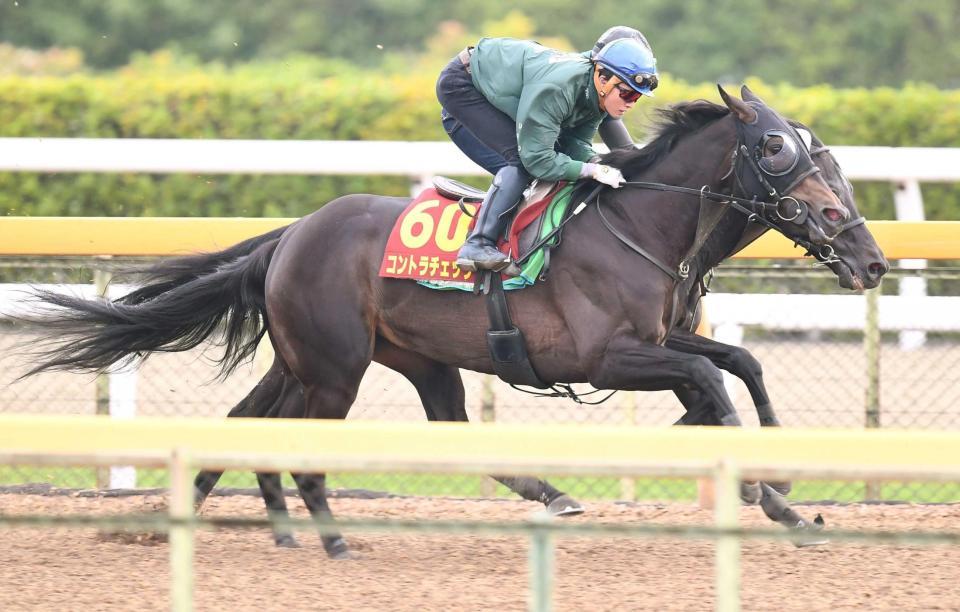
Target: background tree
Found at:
x=846, y=43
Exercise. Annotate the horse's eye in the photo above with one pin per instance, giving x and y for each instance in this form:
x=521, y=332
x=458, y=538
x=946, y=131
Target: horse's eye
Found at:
x=773, y=146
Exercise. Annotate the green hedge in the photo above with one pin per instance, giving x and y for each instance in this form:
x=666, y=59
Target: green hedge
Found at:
x=358, y=107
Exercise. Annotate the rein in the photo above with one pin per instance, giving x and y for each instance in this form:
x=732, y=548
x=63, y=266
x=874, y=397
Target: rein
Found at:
x=757, y=211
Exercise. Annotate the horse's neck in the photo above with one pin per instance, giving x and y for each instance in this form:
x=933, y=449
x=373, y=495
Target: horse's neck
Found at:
x=708, y=159
x=731, y=234
x=750, y=233
x=698, y=160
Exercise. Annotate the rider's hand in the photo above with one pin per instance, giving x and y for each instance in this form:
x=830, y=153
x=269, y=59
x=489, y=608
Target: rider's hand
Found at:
x=608, y=175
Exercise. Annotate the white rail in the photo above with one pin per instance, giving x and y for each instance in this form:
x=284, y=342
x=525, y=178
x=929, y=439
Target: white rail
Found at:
x=369, y=157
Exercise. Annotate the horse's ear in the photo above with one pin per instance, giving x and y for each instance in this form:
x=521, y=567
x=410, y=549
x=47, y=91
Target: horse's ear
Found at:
x=738, y=106
x=749, y=96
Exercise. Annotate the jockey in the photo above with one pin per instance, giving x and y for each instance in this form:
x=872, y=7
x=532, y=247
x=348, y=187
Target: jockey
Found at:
x=612, y=131
x=523, y=111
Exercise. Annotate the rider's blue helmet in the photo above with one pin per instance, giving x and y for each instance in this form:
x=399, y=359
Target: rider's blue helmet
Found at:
x=616, y=33
x=633, y=62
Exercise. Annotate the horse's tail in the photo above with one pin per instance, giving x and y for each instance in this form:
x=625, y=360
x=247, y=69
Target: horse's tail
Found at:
x=185, y=301
x=172, y=272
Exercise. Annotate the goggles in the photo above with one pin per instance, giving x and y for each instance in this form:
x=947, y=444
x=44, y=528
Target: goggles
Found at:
x=628, y=95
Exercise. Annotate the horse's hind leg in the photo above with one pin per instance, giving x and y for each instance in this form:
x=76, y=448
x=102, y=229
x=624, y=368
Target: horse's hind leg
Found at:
x=277, y=394
x=328, y=356
x=288, y=405
x=325, y=402
x=255, y=404
x=313, y=491
x=271, y=489
x=441, y=391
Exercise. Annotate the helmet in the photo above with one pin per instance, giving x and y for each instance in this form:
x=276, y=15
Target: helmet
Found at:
x=616, y=33
x=632, y=62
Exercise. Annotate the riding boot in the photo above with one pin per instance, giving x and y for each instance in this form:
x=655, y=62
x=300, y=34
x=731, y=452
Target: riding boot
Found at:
x=480, y=250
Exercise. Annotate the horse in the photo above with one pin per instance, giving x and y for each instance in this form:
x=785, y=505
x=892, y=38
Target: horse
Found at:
x=279, y=394
x=606, y=317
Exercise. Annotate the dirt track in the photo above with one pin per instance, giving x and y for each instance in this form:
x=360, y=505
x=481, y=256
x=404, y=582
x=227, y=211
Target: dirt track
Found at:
x=75, y=570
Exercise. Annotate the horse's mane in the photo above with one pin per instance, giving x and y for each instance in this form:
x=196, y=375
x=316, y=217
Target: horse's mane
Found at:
x=674, y=122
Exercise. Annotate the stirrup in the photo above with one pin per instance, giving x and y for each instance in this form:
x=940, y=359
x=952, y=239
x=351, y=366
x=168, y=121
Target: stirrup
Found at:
x=470, y=265
x=480, y=254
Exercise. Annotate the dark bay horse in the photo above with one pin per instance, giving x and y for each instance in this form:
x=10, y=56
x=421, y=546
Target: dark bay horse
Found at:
x=608, y=315
x=279, y=394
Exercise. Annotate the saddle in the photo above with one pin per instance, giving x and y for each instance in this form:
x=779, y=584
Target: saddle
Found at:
x=422, y=246
x=523, y=239
x=455, y=190
x=529, y=222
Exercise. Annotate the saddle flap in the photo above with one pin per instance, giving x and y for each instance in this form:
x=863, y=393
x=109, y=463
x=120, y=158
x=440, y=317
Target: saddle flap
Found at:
x=528, y=224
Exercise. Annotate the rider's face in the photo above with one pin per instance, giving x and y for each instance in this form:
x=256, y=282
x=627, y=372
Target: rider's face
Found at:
x=614, y=104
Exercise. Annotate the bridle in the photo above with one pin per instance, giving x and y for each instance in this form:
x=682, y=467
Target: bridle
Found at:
x=781, y=208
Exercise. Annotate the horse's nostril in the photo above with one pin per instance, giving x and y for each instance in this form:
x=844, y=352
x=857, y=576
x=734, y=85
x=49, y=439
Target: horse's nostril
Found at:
x=877, y=269
x=832, y=214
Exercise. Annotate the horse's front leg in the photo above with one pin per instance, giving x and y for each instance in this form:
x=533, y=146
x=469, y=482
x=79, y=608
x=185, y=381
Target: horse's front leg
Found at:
x=773, y=502
x=630, y=364
x=699, y=411
x=627, y=363
x=739, y=362
x=734, y=359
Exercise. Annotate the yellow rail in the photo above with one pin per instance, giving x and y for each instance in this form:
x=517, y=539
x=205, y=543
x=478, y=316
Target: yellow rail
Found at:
x=457, y=447
x=282, y=445
x=179, y=236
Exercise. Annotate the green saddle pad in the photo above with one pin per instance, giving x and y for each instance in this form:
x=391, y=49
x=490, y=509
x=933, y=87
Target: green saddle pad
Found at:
x=531, y=270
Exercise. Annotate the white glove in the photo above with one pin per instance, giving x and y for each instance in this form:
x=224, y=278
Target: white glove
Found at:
x=608, y=175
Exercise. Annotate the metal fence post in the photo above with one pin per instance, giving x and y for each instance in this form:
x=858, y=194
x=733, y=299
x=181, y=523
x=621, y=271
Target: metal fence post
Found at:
x=181, y=533
x=541, y=565
x=908, y=202
x=726, y=515
x=488, y=414
x=101, y=283
x=628, y=484
x=420, y=182
x=871, y=350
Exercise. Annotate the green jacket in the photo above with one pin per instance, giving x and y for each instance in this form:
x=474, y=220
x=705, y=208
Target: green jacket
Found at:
x=550, y=94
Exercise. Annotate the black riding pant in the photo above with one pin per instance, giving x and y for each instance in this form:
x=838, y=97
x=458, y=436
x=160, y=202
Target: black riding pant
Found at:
x=483, y=132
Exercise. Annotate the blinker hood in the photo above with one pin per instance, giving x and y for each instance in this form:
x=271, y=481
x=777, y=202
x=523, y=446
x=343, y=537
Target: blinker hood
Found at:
x=775, y=173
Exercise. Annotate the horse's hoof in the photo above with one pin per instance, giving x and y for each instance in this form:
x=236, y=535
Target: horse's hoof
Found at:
x=344, y=555
x=750, y=492
x=338, y=550
x=810, y=534
x=286, y=541
x=564, y=506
